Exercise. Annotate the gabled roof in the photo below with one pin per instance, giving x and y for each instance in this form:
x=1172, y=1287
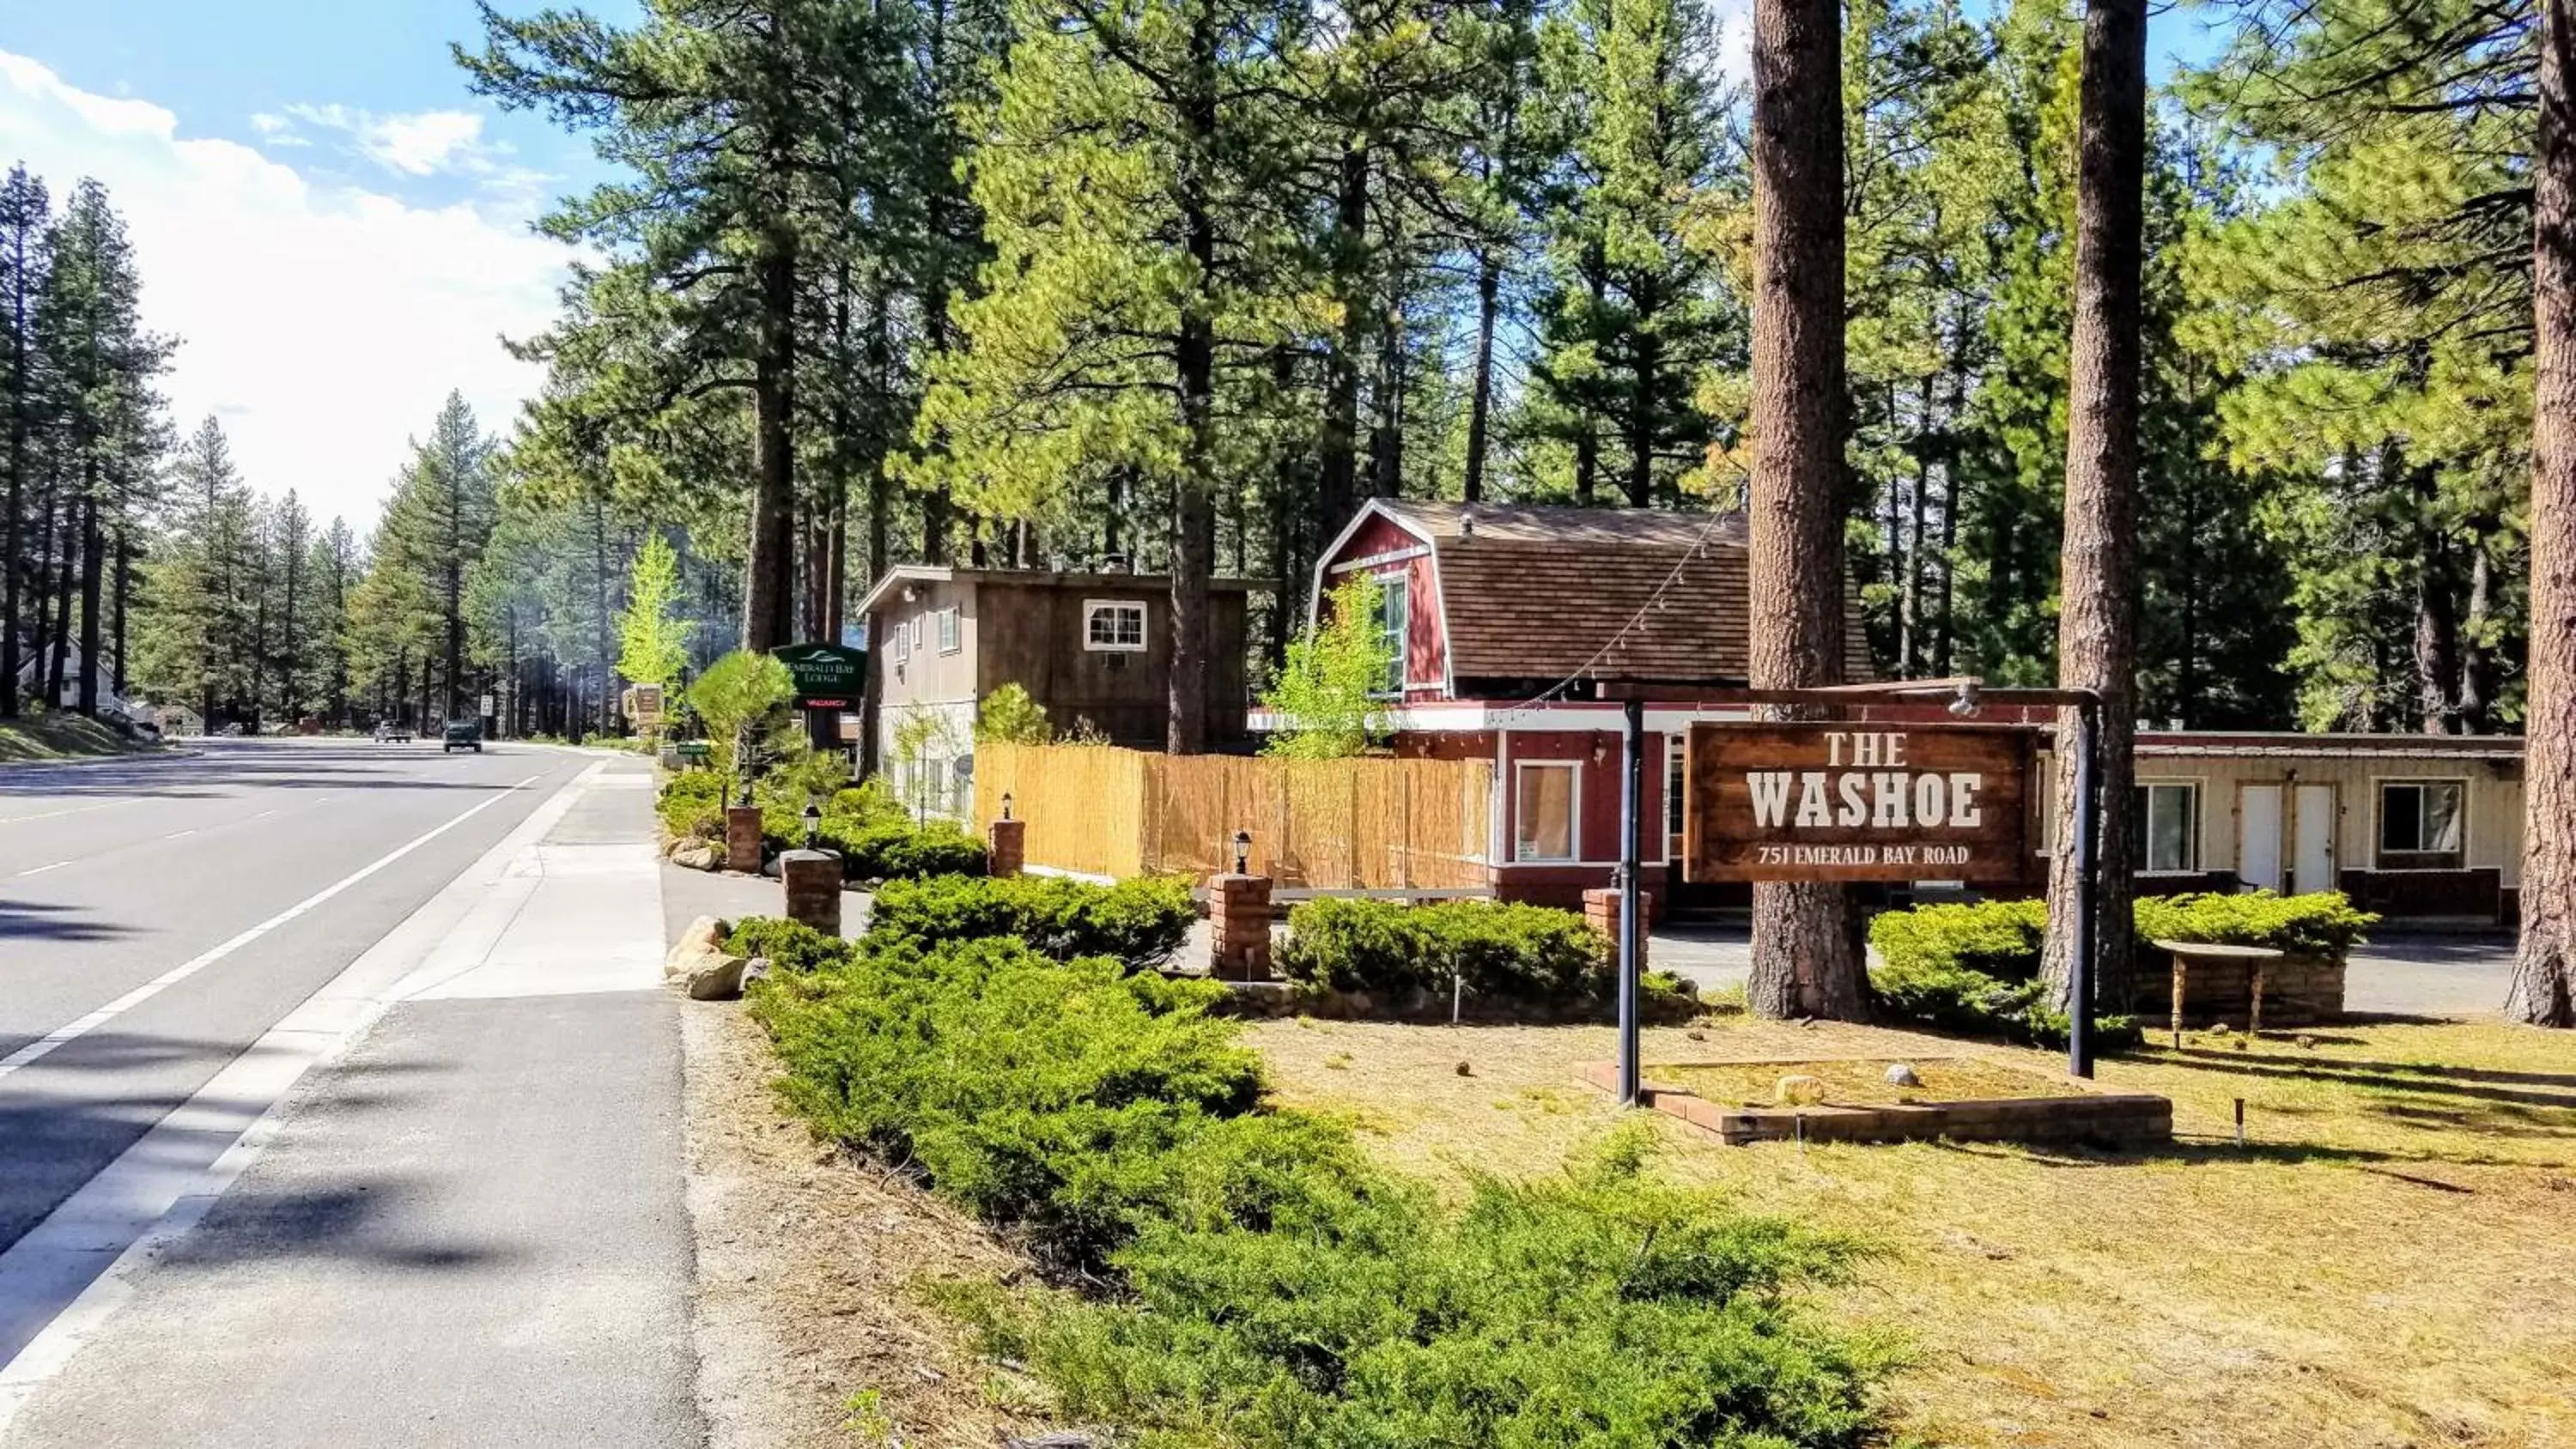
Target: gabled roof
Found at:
x=1034, y=579
x=1634, y=594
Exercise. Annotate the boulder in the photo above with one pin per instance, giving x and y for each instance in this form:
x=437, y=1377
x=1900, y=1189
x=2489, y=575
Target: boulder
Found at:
x=699, y=944
x=696, y=855
x=1798, y=1089
x=1902, y=1074
x=755, y=969
x=719, y=979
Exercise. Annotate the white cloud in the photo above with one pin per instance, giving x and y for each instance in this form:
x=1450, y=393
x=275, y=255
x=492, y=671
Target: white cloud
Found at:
x=322, y=323
x=414, y=143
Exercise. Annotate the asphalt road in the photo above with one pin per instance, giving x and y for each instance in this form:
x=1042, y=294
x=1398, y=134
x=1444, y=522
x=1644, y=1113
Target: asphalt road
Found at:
x=112, y=875
x=464, y=1224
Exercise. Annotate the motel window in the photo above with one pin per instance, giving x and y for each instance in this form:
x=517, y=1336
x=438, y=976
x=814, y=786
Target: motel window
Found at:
x=1394, y=612
x=1543, y=810
x=902, y=642
x=1113, y=625
x=1673, y=788
x=2421, y=824
x=2165, y=827
x=948, y=630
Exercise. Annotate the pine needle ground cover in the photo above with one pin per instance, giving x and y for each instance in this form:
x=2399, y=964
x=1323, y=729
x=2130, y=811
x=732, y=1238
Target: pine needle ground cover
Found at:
x=2386, y=1263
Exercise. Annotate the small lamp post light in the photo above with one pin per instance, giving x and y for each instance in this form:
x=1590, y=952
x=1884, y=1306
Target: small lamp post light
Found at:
x=1243, y=852
x=813, y=824
x=1006, y=804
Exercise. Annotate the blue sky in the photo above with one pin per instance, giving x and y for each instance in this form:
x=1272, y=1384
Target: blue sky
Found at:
x=335, y=230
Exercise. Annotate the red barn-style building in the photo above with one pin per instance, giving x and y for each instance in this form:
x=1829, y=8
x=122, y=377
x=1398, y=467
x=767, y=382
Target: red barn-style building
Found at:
x=1507, y=620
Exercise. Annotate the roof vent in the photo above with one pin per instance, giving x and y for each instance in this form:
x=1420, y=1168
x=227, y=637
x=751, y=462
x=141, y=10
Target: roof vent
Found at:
x=1467, y=522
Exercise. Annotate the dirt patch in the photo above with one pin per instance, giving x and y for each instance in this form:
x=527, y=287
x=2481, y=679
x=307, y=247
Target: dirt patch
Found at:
x=2383, y=1265
x=810, y=1326
x=1858, y=1081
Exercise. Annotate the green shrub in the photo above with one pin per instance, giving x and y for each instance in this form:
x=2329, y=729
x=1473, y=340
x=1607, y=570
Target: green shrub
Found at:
x=1974, y=968
x=1268, y=1287
x=2320, y=923
x=1139, y=922
x=870, y=802
x=692, y=805
x=1508, y=952
x=1603, y=1308
x=897, y=849
x=1072, y=1100
x=789, y=945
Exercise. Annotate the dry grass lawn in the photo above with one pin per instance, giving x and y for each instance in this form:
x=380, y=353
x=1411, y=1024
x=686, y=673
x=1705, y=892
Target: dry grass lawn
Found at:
x=2391, y=1261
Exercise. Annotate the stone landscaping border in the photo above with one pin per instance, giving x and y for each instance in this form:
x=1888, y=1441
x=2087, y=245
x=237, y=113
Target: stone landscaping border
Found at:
x=2115, y=1119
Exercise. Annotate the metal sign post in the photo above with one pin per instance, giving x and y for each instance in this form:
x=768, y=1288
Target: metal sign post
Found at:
x=1632, y=930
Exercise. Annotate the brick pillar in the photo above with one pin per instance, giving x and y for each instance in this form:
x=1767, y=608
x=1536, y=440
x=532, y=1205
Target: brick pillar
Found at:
x=1005, y=849
x=1239, y=927
x=742, y=838
x=813, y=881
x=1601, y=913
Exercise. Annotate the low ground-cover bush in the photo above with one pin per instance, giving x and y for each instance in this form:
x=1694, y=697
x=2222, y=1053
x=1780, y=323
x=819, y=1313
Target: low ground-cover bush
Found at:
x=1508, y=952
x=789, y=945
x=900, y=850
x=1267, y=1286
x=1975, y=968
x=1138, y=922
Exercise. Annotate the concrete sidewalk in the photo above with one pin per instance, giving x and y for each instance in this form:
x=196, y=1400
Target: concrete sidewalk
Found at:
x=469, y=1227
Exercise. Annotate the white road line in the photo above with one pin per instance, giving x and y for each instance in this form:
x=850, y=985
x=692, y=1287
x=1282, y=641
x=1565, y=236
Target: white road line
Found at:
x=45, y=1045
x=66, y=1277
x=58, y=814
x=40, y=870
x=180, y=834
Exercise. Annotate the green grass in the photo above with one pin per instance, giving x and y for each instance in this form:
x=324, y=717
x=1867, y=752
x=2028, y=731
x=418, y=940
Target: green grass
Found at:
x=58, y=735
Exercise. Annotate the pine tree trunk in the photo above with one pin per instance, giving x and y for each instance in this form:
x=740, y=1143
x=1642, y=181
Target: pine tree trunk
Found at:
x=1909, y=647
x=1193, y=541
x=1643, y=402
x=93, y=602
x=1337, y=449
x=2097, y=615
x=13, y=572
x=2477, y=658
x=2543, y=987
x=767, y=606
x=1480, y=402
x=66, y=571
x=1805, y=961
x=121, y=578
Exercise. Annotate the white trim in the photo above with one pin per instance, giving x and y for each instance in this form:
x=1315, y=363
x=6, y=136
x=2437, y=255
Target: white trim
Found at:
x=2378, y=803
x=1440, y=597
x=1392, y=556
x=1144, y=624
x=1573, y=825
x=1475, y=716
x=1375, y=507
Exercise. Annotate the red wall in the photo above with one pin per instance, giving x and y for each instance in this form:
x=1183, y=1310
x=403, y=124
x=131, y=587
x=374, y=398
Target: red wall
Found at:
x=1426, y=651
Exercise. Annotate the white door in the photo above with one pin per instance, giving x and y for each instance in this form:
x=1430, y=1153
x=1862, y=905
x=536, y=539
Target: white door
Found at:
x=2258, y=839
x=2312, y=853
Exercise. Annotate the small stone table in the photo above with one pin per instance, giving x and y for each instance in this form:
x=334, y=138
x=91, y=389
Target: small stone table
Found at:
x=2185, y=953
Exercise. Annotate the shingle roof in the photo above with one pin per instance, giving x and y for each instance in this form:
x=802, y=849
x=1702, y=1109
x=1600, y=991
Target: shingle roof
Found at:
x=1544, y=592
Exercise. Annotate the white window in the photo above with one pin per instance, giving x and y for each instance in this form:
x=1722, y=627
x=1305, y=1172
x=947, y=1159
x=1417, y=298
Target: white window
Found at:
x=948, y=630
x=1543, y=801
x=2165, y=826
x=1394, y=615
x=1113, y=625
x=2422, y=824
x=902, y=642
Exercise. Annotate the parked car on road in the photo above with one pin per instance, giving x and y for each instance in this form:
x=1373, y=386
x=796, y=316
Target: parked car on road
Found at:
x=390, y=733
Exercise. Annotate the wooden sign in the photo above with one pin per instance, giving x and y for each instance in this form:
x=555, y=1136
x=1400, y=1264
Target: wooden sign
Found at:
x=1848, y=802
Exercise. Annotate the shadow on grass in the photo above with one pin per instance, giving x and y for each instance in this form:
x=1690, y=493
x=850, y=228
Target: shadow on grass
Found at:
x=2505, y=1088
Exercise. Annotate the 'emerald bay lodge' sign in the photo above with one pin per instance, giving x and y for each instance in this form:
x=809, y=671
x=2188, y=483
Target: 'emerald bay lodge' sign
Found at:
x=827, y=676
x=1856, y=802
